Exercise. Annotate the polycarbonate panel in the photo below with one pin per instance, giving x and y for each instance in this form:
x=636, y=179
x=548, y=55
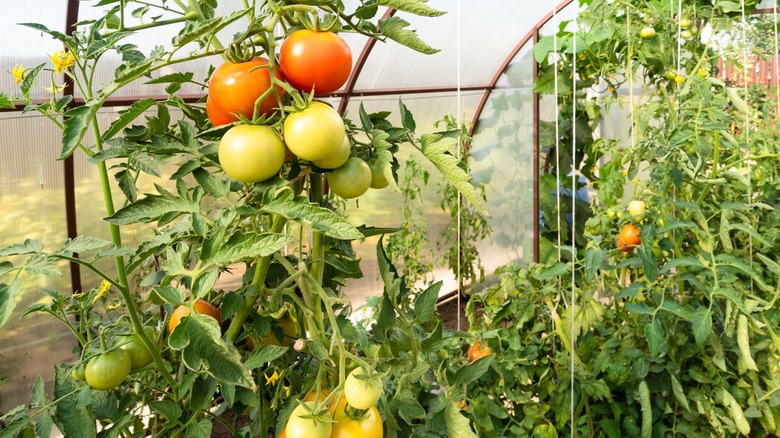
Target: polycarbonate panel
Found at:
x=384, y=208
x=503, y=161
x=91, y=209
x=32, y=201
x=484, y=31
x=28, y=47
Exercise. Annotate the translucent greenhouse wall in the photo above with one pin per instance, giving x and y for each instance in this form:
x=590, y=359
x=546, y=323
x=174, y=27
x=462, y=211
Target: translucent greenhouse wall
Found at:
x=464, y=80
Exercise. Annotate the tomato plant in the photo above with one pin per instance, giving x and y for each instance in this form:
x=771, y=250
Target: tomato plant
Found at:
x=350, y=180
x=361, y=390
x=348, y=425
x=315, y=61
x=302, y=425
x=107, y=370
x=234, y=87
x=314, y=133
x=201, y=306
x=251, y=153
x=478, y=350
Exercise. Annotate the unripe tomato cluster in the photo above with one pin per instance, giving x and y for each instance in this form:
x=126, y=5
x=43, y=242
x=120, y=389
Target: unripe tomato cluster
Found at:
x=354, y=414
x=312, y=62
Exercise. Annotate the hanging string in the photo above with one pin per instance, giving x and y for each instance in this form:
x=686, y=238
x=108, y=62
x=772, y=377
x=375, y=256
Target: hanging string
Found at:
x=460, y=147
x=574, y=172
x=747, y=126
x=776, y=62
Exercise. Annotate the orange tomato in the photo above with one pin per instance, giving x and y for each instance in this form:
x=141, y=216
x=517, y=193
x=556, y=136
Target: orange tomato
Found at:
x=478, y=350
x=201, y=306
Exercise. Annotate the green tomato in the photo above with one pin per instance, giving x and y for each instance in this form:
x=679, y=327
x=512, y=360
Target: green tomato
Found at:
x=378, y=179
x=685, y=23
x=107, y=370
x=647, y=32
x=315, y=133
x=78, y=372
x=338, y=158
x=362, y=391
x=686, y=34
x=139, y=355
x=350, y=180
x=300, y=427
x=251, y=153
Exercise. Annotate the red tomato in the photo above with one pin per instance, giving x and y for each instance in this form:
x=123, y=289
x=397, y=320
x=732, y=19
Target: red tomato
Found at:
x=347, y=426
x=234, y=88
x=202, y=306
x=217, y=117
x=478, y=350
x=315, y=60
x=629, y=238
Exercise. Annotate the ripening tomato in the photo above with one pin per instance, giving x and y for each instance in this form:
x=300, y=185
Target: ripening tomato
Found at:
x=378, y=179
x=315, y=133
x=347, y=426
x=647, y=32
x=251, y=153
x=107, y=370
x=201, y=306
x=319, y=61
x=234, y=88
x=478, y=350
x=350, y=180
x=637, y=209
x=362, y=391
x=217, y=117
x=628, y=238
x=139, y=355
x=338, y=158
x=299, y=427
x=289, y=331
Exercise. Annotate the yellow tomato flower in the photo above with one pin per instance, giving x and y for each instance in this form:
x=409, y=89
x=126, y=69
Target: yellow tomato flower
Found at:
x=271, y=380
x=104, y=287
x=18, y=73
x=62, y=60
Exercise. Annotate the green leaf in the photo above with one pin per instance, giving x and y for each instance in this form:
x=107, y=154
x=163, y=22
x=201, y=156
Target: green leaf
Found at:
x=593, y=260
x=126, y=116
x=84, y=243
x=681, y=262
x=647, y=410
x=318, y=218
x=8, y=294
x=437, y=149
x=203, y=349
x=204, y=283
x=38, y=391
x=74, y=127
x=425, y=303
x=407, y=118
x=178, y=78
x=30, y=79
x=264, y=355
x=752, y=232
x=736, y=412
x=126, y=183
x=43, y=424
x=417, y=7
x=171, y=295
x=169, y=410
x=729, y=261
x=556, y=270
x=40, y=264
x=6, y=101
x=654, y=334
x=632, y=290
x=679, y=393
x=250, y=246
x=201, y=429
x=409, y=409
x=72, y=417
x=639, y=308
x=395, y=28
x=743, y=340
x=472, y=371
x=702, y=325
x=152, y=207
x=214, y=186
x=29, y=246
x=458, y=426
